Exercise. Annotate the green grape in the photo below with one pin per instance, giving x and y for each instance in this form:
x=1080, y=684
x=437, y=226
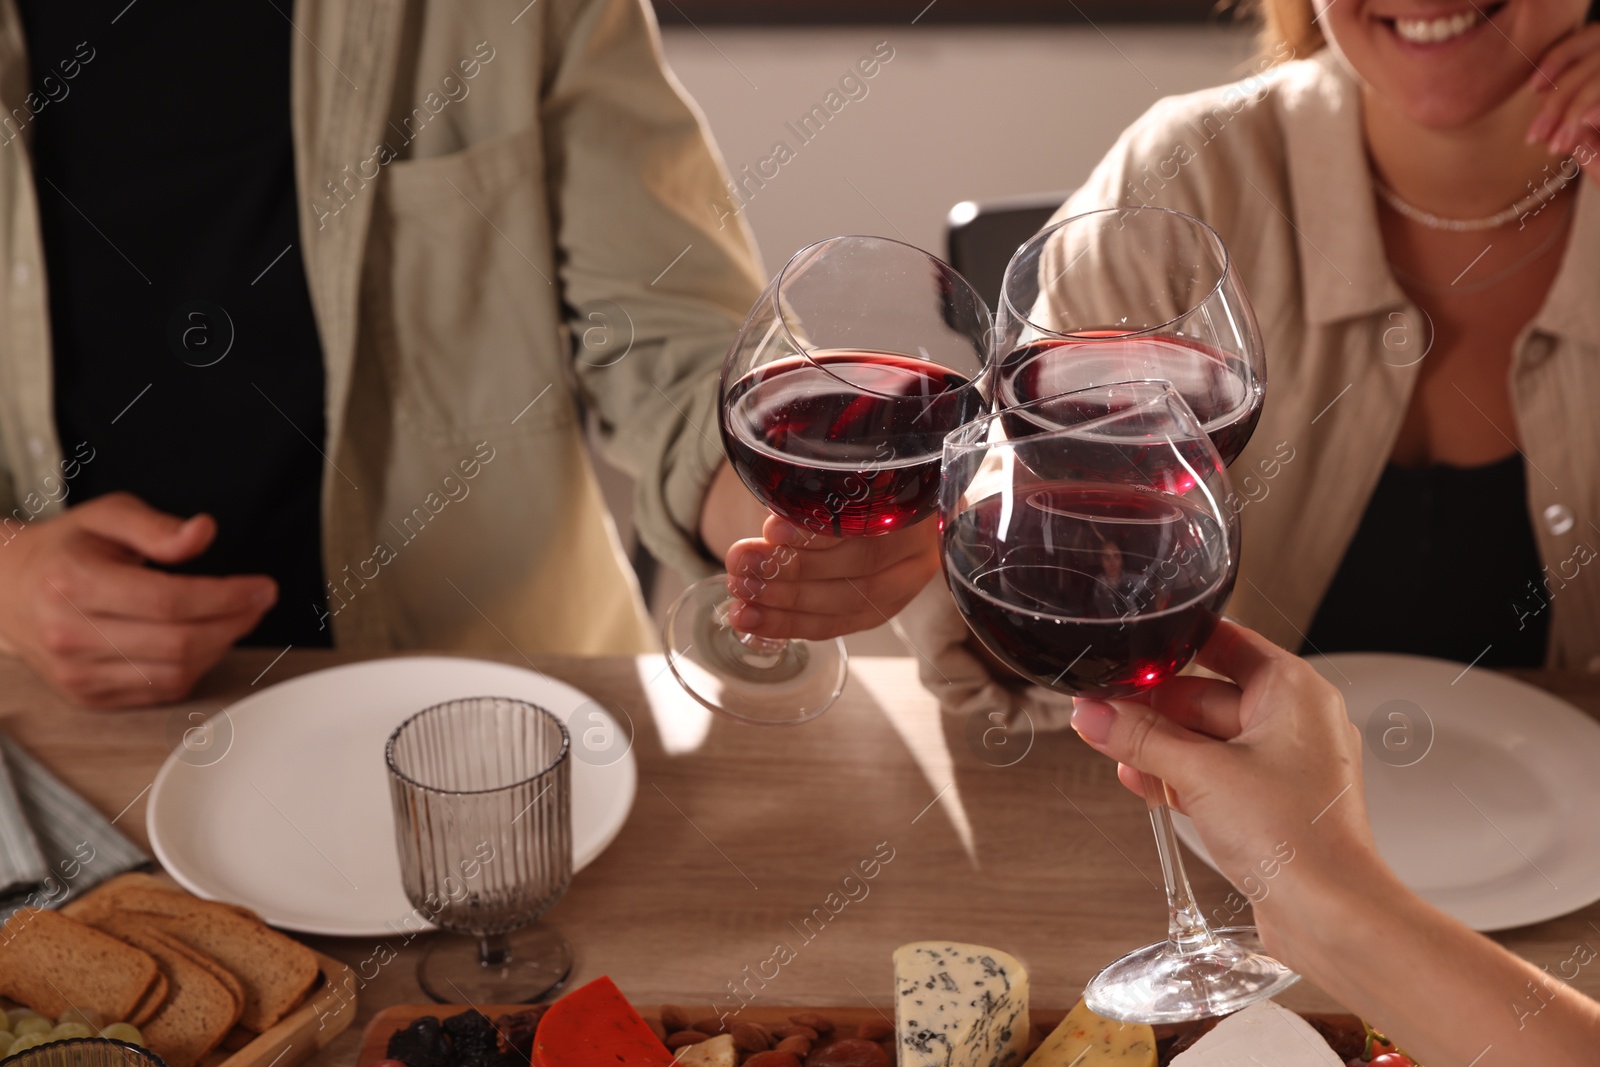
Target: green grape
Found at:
x=25, y=1042
x=87, y=1016
x=32, y=1024
x=6, y=1038
x=67, y=1031
x=123, y=1032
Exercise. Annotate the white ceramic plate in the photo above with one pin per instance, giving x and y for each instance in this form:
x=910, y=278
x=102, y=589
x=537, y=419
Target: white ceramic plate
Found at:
x=1482, y=791
x=282, y=805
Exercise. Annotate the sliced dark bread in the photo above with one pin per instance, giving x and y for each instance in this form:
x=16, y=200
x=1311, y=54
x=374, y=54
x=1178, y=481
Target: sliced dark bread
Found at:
x=199, y=1010
x=51, y=962
x=153, y=999
x=275, y=971
x=122, y=923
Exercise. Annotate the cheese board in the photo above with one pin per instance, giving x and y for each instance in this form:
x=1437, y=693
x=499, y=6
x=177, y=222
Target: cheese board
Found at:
x=1343, y=1033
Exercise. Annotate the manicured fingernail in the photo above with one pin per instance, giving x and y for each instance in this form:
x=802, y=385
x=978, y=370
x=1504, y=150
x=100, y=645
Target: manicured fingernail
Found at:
x=265, y=597
x=1540, y=130
x=746, y=616
x=1093, y=719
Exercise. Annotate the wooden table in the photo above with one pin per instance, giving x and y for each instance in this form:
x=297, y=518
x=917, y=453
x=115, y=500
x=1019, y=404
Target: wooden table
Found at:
x=739, y=835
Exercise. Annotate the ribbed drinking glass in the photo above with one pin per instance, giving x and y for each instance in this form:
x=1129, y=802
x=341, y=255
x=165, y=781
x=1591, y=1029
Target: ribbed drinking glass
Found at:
x=482, y=815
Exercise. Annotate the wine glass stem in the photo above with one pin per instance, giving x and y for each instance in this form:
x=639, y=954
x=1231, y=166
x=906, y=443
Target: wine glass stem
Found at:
x=1186, y=927
x=494, y=950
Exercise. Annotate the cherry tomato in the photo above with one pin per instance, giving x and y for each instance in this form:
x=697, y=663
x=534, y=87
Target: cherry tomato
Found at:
x=1393, y=1059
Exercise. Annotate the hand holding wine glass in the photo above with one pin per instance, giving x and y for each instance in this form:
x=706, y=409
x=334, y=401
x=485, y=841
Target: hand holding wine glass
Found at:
x=849, y=370
x=795, y=582
x=1255, y=761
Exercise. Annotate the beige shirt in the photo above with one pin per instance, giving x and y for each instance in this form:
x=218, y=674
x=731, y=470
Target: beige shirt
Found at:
x=477, y=185
x=1277, y=165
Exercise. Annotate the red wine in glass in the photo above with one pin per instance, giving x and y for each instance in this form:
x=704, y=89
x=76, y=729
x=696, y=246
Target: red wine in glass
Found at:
x=1098, y=589
x=845, y=443
x=1218, y=387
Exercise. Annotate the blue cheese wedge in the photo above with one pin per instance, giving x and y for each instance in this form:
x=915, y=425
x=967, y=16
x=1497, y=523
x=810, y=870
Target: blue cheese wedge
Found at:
x=1261, y=1033
x=959, y=1006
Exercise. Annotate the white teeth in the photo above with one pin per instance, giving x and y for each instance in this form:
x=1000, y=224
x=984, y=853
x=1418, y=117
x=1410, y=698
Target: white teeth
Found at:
x=1434, y=31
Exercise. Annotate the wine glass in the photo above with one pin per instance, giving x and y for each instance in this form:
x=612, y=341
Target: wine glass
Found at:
x=1094, y=556
x=835, y=399
x=1126, y=294
x=482, y=819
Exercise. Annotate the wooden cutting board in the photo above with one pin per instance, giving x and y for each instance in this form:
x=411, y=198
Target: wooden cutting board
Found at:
x=1343, y=1032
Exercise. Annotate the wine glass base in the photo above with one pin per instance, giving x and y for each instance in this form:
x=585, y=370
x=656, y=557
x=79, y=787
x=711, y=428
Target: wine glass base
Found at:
x=452, y=972
x=790, y=685
x=1158, y=985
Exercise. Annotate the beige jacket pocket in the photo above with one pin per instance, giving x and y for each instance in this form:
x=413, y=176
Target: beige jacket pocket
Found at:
x=469, y=323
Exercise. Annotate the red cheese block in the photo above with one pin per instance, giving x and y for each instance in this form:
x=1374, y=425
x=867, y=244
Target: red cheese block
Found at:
x=595, y=1026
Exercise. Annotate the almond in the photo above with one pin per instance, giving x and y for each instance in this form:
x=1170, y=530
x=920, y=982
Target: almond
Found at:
x=796, y=1044
x=820, y=1023
x=748, y=1037
x=686, y=1037
x=773, y=1059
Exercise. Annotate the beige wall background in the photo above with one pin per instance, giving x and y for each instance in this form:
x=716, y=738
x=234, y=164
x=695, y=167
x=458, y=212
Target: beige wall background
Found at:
x=958, y=113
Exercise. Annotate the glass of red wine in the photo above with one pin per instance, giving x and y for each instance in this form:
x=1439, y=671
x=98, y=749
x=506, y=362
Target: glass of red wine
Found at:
x=1126, y=294
x=857, y=360
x=1094, y=557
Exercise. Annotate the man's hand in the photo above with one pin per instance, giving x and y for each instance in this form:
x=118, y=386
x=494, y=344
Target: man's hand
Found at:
x=792, y=582
x=79, y=605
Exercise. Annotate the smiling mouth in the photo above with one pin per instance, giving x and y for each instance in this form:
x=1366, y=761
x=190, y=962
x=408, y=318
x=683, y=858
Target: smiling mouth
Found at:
x=1443, y=28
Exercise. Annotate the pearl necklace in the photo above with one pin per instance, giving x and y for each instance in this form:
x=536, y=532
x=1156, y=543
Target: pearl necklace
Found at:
x=1516, y=211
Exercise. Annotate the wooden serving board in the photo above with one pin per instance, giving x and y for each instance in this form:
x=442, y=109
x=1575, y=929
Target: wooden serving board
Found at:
x=1343, y=1032
x=326, y=1013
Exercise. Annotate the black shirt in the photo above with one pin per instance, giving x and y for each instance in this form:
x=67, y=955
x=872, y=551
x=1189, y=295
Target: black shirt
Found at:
x=1444, y=564
x=185, y=351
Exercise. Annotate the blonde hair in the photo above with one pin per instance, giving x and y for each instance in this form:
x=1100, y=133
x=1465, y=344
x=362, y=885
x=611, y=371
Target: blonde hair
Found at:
x=1290, y=23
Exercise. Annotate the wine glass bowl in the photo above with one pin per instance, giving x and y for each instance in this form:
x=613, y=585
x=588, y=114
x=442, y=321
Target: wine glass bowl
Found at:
x=1088, y=543
x=836, y=396
x=1132, y=293
x=482, y=792
x=1094, y=557
x=845, y=380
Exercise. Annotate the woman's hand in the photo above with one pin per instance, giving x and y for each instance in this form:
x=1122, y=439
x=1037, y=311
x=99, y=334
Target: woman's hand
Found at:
x=792, y=582
x=1568, y=77
x=1268, y=766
